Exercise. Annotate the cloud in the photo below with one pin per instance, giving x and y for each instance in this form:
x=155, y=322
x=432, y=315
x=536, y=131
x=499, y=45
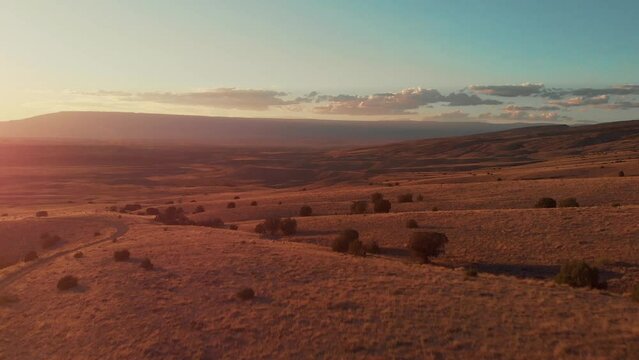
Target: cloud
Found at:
x=627, y=89
x=525, y=89
x=620, y=105
x=506, y=116
x=404, y=102
x=225, y=98
x=531, y=108
x=456, y=115
x=581, y=101
x=462, y=99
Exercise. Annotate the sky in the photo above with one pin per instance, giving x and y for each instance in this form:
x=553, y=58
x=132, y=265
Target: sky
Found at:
x=559, y=61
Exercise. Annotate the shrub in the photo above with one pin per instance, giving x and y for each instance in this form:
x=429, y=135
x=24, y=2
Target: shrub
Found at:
x=435, y=208
x=635, y=293
x=213, y=222
x=420, y=197
x=372, y=247
x=121, y=255
x=230, y=205
x=288, y=226
x=578, y=274
x=412, y=224
x=382, y=206
x=253, y=203
x=427, y=244
x=78, y=254
x=377, y=197
x=233, y=227
x=471, y=272
x=147, y=264
x=198, y=209
x=42, y=213
x=4, y=214
x=272, y=225
x=546, y=203
x=405, y=198
x=569, y=202
x=97, y=233
x=50, y=241
x=306, y=211
x=245, y=294
x=260, y=229
x=359, y=207
x=356, y=248
x=30, y=256
x=67, y=282
x=132, y=207
x=173, y=216
x=621, y=174
x=343, y=240
x=236, y=197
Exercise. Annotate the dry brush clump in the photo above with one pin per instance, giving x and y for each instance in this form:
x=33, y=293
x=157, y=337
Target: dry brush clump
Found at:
x=288, y=226
x=121, y=255
x=67, y=282
x=382, y=206
x=245, y=294
x=146, y=264
x=578, y=273
x=306, y=211
x=546, y=203
x=274, y=225
x=42, y=213
x=405, y=198
x=569, y=202
x=173, y=216
x=254, y=203
x=372, y=247
x=426, y=244
x=343, y=240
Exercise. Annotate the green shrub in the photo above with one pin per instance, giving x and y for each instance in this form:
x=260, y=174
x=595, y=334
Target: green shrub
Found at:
x=343, y=240
x=546, y=203
x=405, y=198
x=412, y=224
x=306, y=211
x=359, y=207
x=427, y=244
x=578, y=274
x=569, y=202
x=121, y=255
x=288, y=226
x=382, y=206
x=67, y=282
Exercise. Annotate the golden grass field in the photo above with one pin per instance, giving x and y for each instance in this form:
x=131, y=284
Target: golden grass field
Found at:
x=311, y=302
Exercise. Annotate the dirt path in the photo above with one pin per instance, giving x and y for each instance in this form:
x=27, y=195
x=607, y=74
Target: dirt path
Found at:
x=120, y=229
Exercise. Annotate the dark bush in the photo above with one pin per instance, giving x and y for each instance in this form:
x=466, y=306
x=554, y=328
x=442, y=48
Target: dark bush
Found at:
x=213, y=222
x=147, y=264
x=253, y=203
x=78, y=254
x=377, y=197
x=372, y=247
x=359, y=207
x=356, y=248
x=546, y=203
x=382, y=206
x=30, y=256
x=42, y=213
x=272, y=225
x=230, y=205
x=621, y=174
x=198, y=209
x=578, y=274
x=173, y=216
x=419, y=197
x=427, y=244
x=412, y=224
x=67, y=282
x=569, y=202
x=260, y=229
x=236, y=197
x=405, y=198
x=121, y=255
x=132, y=207
x=306, y=211
x=233, y=227
x=49, y=241
x=343, y=240
x=471, y=272
x=288, y=226
x=245, y=294
x=435, y=208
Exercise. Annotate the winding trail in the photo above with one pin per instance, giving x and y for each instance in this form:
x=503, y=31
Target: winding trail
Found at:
x=120, y=229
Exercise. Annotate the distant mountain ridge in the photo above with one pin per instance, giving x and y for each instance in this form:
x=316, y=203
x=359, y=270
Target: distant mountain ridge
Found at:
x=118, y=126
